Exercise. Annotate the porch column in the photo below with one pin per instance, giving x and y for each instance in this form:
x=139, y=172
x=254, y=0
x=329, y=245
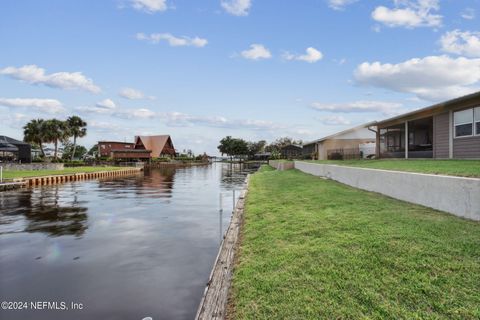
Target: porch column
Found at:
x=377, y=143
x=406, y=139
x=450, y=134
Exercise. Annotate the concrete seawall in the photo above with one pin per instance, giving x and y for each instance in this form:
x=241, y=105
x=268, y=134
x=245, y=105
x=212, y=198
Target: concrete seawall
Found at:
x=456, y=195
x=281, y=165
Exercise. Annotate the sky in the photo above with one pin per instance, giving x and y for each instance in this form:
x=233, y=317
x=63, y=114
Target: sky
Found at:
x=254, y=69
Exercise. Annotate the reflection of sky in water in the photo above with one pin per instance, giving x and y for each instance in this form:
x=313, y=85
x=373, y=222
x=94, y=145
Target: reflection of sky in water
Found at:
x=125, y=248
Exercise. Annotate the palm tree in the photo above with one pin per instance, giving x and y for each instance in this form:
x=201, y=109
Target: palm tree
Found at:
x=54, y=131
x=77, y=129
x=33, y=132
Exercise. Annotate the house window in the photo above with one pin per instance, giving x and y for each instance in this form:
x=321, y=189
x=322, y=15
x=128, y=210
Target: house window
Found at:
x=477, y=121
x=463, y=122
x=103, y=146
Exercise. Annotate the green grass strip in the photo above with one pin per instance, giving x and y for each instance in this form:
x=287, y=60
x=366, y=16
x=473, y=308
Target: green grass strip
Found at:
x=317, y=249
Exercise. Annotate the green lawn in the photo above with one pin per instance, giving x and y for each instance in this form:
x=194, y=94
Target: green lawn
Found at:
x=464, y=168
x=317, y=249
x=39, y=173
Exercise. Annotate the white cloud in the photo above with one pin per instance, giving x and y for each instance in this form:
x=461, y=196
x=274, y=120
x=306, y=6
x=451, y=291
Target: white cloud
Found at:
x=43, y=105
x=334, y=120
x=64, y=80
x=178, y=119
x=142, y=113
x=106, y=104
x=468, y=14
x=172, y=40
x=130, y=93
x=409, y=14
x=312, y=55
x=384, y=107
x=237, y=7
x=340, y=4
x=462, y=43
x=432, y=78
x=149, y=6
x=256, y=52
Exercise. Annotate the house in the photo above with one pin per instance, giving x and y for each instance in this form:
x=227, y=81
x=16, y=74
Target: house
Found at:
x=342, y=145
x=160, y=146
x=143, y=149
x=50, y=152
x=14, y=150
x=445, y=130
x=291, y=151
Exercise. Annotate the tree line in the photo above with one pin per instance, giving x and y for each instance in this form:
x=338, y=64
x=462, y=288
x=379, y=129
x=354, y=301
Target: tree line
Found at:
x=40, y=131
x=237, y=147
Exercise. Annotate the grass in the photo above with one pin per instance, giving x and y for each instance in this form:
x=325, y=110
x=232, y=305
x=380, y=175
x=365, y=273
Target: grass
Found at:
x=317, y=249
x=10, y=174
x=463, y=168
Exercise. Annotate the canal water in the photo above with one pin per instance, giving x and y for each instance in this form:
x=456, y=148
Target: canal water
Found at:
x=128, y=248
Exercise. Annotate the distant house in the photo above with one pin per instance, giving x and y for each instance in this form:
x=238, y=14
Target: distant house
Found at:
x=342, y=145
x=143, y=149
x=291, y=151
x=50, y=152
x=161, y=146
x=445, y=130
x=14, y=150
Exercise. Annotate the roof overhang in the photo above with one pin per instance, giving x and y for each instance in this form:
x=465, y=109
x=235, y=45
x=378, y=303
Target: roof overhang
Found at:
x=431, y=110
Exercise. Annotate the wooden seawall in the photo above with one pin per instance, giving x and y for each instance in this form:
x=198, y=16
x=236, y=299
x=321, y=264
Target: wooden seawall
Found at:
x=215, y=297
x=62, y=178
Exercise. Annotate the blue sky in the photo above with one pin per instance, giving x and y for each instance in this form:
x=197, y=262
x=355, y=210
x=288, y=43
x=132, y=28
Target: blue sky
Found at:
x=257, y=69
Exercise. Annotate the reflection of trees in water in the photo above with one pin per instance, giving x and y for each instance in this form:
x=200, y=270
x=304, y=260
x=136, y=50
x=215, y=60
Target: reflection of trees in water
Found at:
x=44, y=212
x=154, y=183
x=234, y=173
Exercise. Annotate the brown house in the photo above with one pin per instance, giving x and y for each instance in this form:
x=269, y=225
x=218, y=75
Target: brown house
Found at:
x=143, y=149
x=446, y=130
x=160, y=146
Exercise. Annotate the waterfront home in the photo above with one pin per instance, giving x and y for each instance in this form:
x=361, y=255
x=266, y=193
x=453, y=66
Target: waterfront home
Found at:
x=143, y=149
x=341, y=145
x=14, y=150
x=445, y=130
x=160, y=146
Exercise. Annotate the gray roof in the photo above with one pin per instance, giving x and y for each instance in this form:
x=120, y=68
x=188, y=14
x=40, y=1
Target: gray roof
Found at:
x=5, y=139
x=444, y=104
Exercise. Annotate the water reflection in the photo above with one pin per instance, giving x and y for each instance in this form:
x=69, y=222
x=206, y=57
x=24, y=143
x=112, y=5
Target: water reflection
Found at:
x=43, y=210
x=126, y=248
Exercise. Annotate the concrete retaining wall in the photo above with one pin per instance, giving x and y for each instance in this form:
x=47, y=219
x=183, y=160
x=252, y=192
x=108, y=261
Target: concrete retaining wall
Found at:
x=281, y=165
x=455, y=195
x=32, y=166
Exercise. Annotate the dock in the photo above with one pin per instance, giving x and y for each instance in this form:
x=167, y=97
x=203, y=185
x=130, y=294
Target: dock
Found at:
x=12, y=185
x=215, y=297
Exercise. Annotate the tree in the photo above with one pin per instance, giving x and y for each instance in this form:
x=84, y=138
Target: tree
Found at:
x=256, y=147
x=77, y=129
x=34, y=132
x=55, y=131
x=69, y=149
x=282, y=142
x=233, y=147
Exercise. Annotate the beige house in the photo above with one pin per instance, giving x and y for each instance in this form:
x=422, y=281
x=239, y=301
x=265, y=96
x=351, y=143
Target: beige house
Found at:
x=342, y=145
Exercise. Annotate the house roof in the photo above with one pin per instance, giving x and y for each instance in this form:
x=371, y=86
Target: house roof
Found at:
x=5, y=139
x=366, y=125
x=154, y=143
x=433, y=108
